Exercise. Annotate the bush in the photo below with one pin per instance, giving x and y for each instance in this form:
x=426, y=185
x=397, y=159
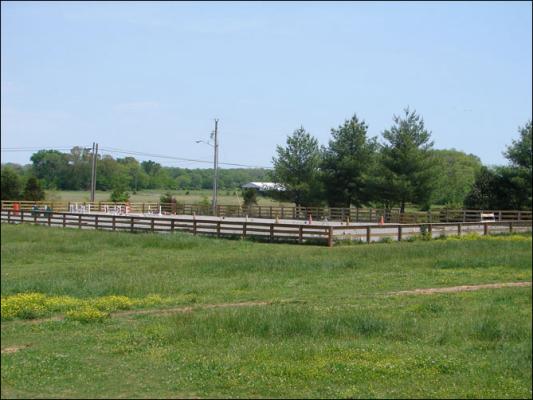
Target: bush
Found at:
x=167, y=198
x=11, y=184
x=249, y=197
x=33, y=190
x=119, y=196
x=424, y=233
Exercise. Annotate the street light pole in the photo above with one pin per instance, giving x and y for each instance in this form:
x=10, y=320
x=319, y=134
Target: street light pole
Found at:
x=215, y=167
x=93, y=171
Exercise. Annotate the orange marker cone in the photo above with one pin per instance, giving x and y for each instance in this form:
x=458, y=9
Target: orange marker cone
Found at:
x=381, y=222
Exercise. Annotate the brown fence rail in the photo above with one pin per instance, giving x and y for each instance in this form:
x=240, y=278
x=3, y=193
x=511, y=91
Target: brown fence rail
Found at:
x=296, y=213
x=219, y=227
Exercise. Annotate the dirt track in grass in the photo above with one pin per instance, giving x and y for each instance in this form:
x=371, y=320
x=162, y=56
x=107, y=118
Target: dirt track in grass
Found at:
x=187, y=309
x=466, y=288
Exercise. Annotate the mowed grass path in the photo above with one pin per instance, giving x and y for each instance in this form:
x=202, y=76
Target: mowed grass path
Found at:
x=330, y=331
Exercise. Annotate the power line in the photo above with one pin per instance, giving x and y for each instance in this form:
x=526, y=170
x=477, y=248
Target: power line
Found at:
x=138, y=153
x=114, y=150
x=30, y=149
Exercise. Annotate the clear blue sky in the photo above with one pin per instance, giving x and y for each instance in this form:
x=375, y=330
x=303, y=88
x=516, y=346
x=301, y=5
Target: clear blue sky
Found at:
x=151, y=77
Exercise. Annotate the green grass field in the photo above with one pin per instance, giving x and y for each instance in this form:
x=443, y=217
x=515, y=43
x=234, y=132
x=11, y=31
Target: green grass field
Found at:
x=321, y=321
x=225, y=197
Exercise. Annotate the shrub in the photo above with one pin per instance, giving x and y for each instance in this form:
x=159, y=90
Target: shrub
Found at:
x=167, y=198
x=11, y=184
x=33, y=190
x=119, y=195
x=249, y=197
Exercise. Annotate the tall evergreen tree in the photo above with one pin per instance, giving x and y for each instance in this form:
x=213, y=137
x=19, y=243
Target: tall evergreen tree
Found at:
x=520, y=156
x=481, y=195
x=296, y=167
x=406, y=172
x=506, y=187
x=346, y=164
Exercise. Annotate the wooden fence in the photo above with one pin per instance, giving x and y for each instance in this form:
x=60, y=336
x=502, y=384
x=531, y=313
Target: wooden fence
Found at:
x=296, y=213
x=219, y=227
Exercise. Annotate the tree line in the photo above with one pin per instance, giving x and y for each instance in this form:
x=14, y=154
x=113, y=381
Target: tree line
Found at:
x=56, y=170
x=356, y=170
x=352, y=170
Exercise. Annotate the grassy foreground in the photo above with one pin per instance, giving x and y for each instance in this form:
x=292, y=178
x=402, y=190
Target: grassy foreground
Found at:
x=329, y=328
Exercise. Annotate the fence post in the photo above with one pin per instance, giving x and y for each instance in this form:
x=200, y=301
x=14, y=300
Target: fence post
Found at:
x=21, y=216
x=500, y=215
x=430, y=229
x=143, y=207
x=368, y=234
x=459, y=229
x=218, y=228
x=49, y=219
x=511, y=227
x=152, y=224
x=96, y=222
x=172, y=225
x=399, y=233
x=485, y=229
x=244, y=230
x=301, y=234
x=330, y=236
x=8, y=216
x=79, y=221
x=131, y=224
x=194, y=227
x=271, y=230
x=519, y=215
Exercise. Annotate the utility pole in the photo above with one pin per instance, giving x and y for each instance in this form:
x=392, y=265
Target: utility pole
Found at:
x=215, y=133
x=93, y=171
